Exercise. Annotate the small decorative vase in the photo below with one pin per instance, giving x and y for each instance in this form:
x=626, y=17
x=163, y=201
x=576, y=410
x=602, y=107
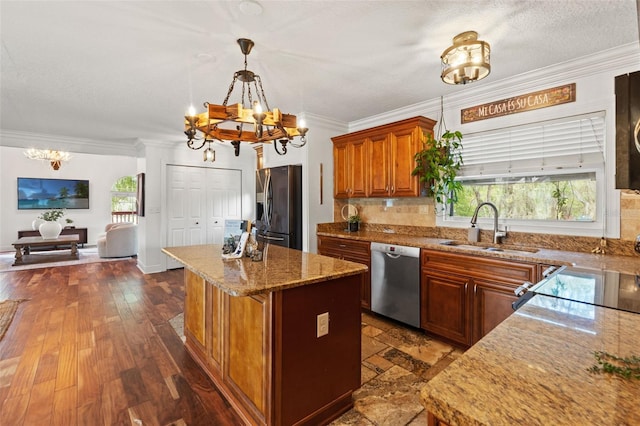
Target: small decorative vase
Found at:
x=354, y=226
x=50, y=230
x=35, y=225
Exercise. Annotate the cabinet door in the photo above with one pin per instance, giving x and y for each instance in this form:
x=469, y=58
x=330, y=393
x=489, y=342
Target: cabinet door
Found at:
x=491, y=305
x=445, y=305
x=379, y=166
x=353, y=251
x=403, y=146
x=357, y=168
x=340, y=171
x=195, y=307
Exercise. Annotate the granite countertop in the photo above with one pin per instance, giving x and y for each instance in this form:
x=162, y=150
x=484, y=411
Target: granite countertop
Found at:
x=532, y=369
x=625, y=264
x=281, y=268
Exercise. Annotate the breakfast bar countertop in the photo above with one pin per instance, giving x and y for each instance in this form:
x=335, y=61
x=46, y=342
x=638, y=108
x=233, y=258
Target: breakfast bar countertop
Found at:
x=533, y=369
x=280, y=268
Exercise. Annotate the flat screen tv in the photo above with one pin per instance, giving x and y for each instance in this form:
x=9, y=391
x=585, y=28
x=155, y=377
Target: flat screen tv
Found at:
x=43, y=194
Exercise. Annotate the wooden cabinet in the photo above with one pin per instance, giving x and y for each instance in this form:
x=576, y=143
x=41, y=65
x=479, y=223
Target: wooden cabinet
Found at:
x=445, y=305
x=464, y=296
x=389, y=152
x=353, y=251
x=491, y=305
x=349, y=163
x=391, y=159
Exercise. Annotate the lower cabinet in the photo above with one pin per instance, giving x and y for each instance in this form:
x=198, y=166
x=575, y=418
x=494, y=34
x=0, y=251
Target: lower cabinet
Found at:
x=445, y=305
x=491, y=305
x=353, y=251
x=464, y=297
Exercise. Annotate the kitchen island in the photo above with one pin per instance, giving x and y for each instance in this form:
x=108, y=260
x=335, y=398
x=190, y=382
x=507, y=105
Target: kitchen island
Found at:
x=258, y=330
x=533, y=369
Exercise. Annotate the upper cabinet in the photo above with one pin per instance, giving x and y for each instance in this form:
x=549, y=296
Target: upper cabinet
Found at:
x=349, y=164
x=378, y=162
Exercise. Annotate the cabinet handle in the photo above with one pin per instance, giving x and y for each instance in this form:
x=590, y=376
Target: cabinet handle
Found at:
x=393, y=189
x=386, y=188
x=342, y=245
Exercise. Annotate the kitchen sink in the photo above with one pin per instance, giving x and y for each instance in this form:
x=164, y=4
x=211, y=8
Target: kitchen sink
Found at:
x=500, y=249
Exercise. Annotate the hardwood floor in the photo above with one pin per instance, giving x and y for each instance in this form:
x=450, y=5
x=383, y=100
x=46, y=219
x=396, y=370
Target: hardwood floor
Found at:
x=93, y=346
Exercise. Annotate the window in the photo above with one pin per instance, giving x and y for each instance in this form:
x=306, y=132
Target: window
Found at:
x=562, y=197
x=541, y=176
x=123, y=200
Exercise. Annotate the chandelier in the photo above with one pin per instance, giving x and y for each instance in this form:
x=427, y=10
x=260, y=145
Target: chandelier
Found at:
x=467, y=60
x=55, y=158
x=251, y=120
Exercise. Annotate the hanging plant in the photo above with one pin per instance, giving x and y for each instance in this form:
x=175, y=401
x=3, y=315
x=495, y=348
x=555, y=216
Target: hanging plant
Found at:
x=437, y=166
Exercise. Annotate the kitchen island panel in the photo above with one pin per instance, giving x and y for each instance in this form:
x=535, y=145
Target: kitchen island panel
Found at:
x=194, y=307
x=247, y=356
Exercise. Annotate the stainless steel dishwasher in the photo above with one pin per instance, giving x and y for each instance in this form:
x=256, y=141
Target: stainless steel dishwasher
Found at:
x=395, y=282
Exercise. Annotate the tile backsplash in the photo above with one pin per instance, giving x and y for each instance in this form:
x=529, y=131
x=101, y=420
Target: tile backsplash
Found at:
x=418, y=213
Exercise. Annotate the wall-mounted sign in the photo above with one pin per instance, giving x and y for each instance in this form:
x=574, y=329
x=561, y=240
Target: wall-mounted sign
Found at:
x=530, y=101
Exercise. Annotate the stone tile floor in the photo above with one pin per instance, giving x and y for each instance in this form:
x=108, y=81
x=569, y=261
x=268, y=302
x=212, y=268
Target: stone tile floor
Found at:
x=396, y=362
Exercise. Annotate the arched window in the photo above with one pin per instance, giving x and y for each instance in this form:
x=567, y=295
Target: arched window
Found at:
x=123, y=200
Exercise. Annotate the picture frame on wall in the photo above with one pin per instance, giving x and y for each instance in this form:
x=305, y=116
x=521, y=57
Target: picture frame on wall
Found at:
x=140, y=195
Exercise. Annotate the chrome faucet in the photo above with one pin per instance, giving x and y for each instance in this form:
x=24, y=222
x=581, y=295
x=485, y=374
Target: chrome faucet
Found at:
x=497, y=234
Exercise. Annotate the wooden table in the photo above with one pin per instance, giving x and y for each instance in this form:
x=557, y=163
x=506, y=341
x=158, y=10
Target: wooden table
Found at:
x=81, y=232
x=23, y=249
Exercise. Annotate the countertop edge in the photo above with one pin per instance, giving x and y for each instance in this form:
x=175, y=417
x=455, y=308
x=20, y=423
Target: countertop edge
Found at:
x=355, y=269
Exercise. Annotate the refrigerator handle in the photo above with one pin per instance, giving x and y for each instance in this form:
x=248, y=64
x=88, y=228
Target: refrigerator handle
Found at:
x=267, y=199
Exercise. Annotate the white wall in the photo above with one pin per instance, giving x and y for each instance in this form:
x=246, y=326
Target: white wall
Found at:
x=102, y=171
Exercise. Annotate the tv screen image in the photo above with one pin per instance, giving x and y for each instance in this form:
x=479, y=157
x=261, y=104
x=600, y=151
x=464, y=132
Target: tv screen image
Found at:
x=44, y=193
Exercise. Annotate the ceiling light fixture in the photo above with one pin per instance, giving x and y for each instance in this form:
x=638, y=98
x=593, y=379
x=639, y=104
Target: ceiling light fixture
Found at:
x=55, y=158
x=467, y=60
x=268, y=125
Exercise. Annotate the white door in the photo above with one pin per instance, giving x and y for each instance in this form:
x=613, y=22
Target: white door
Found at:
x=198, y=201
x=224, y=201
x=186, y=208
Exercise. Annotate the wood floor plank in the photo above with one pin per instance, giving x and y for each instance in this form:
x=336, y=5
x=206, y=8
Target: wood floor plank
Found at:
x=89, y=388
x=24, y=377
x=47, y=367
x=114, y=409
x=65, y=403
x=67, y=372
x=14, y=410
x=40, y=408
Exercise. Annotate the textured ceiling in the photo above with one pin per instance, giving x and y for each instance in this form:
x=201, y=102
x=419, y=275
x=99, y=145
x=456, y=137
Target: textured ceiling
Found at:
x=129, y=69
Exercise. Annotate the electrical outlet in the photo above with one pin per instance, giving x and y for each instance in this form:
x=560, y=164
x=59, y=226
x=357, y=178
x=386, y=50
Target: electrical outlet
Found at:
x=323, y=324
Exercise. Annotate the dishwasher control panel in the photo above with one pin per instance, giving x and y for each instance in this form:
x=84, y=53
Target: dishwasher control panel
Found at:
x=395, y=249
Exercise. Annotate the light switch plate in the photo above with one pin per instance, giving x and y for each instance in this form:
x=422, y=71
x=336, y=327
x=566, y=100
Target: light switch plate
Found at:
x=322, y=324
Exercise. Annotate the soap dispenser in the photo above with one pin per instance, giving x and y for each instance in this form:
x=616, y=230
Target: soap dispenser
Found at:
x=474, y=234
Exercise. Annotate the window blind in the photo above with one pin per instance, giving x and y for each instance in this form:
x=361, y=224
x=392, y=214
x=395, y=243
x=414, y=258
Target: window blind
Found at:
x=570, y=141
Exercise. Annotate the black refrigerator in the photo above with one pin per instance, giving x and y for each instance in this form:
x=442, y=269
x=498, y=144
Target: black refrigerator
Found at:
x=279, y=206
